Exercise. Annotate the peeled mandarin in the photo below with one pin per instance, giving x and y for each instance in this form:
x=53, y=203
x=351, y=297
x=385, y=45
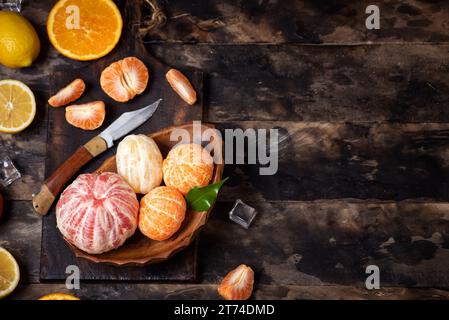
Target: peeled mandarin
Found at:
x=162, y=212
x=188, y=166
x=139, y=162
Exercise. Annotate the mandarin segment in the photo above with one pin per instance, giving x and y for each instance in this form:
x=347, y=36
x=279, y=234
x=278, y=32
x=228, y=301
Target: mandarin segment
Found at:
x=238, y=284
x=88, y=116
x=124, y=79
x=181, y=85
x=68, y=94
x=162, y=212
x=188, y=166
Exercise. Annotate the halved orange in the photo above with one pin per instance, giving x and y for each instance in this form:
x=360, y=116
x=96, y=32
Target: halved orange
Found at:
x=84, y=29
x=58, y=296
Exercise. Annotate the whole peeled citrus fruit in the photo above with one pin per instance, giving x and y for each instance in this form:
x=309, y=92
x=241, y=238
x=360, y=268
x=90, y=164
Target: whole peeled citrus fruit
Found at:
x=19, y=43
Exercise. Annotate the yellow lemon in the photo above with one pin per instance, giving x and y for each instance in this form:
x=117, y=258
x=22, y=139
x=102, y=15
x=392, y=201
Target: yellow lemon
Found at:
x=17, y=106
x=9, y=273
x=58, y=296
x=19, y=43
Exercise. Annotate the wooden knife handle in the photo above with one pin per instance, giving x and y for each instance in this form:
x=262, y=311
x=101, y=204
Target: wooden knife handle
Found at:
x=43, y=201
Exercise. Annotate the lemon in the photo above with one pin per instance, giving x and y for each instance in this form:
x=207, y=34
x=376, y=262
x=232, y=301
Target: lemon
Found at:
x=19, y=43
x=58, y=296
x=9, y=273
x=17, y=106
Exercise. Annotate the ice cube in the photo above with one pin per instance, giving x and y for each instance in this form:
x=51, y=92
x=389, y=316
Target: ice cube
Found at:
x=8, y=172
x=11, y=5
x=242, y=214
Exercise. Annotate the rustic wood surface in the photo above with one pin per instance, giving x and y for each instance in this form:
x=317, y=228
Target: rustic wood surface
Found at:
x=362, y=173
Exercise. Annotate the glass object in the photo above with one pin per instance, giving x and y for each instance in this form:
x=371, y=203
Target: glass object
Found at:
x=242, y=214
x=11, y=5
x=8, y=172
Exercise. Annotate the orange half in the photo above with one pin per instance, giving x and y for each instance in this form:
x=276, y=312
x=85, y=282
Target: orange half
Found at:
x=58, y=296
x=84, y=29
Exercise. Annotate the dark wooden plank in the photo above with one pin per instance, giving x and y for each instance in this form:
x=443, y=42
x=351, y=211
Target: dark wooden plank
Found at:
x=20, y=233
x=353, y=160
x=27, y=152
x=308, y=83
x=309, y=21
x=322, y=243
x=204, y=292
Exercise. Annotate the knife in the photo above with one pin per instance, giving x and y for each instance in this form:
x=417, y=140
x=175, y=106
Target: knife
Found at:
x=126, y=123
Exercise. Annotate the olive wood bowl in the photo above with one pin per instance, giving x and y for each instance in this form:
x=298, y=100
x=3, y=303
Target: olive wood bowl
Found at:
x=140, y=250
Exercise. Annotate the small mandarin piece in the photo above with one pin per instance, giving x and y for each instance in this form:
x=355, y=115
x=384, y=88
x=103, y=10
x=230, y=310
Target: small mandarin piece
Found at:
x=181, y=85
x=188, y=166
x=125, y=79
x=58, y=296
x=84, y=30
x=97, y=213
x=68, y=94
x=89, y=116
x=238, y=284
x=139, y=162
x=162, y=212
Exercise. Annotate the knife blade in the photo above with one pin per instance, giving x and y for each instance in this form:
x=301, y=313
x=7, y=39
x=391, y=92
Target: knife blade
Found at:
x=122, y=126
x=128, y=122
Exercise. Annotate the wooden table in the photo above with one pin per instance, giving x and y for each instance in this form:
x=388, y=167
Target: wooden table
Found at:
x=362, y=180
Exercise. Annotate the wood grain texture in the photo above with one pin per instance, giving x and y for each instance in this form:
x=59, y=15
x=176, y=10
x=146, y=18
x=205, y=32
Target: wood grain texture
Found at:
x=20, y=233
x=122, y=291
x=383, y=161
x=322, y=243
x=309, y=21
x=331, y=243
x=401, y=83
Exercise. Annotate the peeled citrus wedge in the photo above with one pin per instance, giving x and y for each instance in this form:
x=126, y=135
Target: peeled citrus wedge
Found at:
x=84, y=29
x=9, y=273
x=58, y=296
x=17, y=106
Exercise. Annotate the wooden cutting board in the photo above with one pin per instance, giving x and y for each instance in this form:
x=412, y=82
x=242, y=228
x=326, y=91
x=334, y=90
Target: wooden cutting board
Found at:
x=63, y=140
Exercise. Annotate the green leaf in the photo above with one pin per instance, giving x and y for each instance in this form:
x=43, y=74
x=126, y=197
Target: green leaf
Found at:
x=202, y=199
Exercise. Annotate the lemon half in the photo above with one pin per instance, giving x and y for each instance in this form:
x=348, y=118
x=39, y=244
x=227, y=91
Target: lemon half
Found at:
x=9, y=273
x=17, y=106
